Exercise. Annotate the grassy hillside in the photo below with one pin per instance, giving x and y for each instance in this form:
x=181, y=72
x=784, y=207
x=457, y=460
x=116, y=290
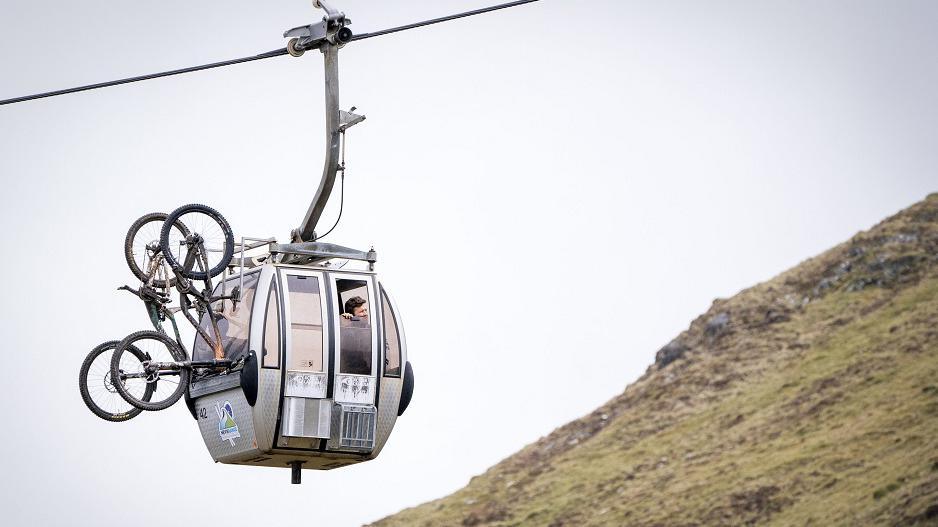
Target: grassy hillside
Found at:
x=810, y=399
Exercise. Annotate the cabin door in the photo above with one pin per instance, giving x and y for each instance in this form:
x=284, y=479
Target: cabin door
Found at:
x=306, y=413
x=356, y=348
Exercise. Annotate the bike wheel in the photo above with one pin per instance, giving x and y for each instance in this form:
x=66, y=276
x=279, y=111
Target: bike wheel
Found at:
x=143, y=239
x=134, y=374
x=97, y=390
x=208, y=224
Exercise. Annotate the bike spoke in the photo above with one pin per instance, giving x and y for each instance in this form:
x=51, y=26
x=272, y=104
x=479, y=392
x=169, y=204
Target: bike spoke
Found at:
x=213, y=237
x=143, y=248
x=143, y=371
x=100, y=390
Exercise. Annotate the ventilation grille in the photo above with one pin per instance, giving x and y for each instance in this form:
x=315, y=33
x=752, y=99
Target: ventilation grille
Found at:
x=356, y=426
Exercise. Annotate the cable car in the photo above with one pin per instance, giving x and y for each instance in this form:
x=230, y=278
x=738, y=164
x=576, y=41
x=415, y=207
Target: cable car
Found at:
x=325, y=372
x=315, y=362
x=321, y=386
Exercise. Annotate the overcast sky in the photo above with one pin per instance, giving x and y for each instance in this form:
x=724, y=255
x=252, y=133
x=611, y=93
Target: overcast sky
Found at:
x=554, y=192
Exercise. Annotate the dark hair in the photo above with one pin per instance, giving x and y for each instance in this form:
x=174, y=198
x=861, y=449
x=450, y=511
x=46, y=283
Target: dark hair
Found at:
x=352, y=303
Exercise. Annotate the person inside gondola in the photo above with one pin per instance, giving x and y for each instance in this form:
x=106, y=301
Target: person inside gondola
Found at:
x=356, y=337
x=355, y=308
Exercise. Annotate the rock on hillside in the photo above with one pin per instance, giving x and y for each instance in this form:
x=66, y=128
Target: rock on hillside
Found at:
x=810, y=399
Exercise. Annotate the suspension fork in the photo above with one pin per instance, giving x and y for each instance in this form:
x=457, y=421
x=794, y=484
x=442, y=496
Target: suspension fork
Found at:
x=172, y=320
x=154, y=312
x=157, y=311
x=153, y=268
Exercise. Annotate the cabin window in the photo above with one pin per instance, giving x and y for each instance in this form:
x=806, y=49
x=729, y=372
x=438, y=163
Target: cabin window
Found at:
x=234, y=320
x=305, y=323
x=354, y=327
x=392, y=340
x=271, y=351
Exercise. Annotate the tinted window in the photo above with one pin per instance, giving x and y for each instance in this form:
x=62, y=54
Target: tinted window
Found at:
x=354, y=327
x=305, y=323
x=392, y=340
x=233, y=321
x=271, y=353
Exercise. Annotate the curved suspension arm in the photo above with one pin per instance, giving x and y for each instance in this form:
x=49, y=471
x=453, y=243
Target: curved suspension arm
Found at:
x=306, y=231
x=330, y=35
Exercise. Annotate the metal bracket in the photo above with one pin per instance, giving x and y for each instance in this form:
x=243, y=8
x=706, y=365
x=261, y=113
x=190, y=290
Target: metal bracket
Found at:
x=349, y=119
x=307, y=37
x=296, y=476
x=332, y=14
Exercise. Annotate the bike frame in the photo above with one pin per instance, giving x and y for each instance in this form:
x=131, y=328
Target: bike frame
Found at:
x=158, y=312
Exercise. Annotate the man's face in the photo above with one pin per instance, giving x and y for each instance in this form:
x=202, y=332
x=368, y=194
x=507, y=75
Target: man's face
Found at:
x=360, y=311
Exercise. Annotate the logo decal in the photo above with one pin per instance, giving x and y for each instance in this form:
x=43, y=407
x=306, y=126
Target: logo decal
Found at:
x=227, y=428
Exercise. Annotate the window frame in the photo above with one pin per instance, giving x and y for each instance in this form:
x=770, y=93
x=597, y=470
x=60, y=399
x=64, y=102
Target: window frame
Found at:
x=287, y=312
x=336, y=298
x=254, y=274
x=273, y=290
x=386, y=299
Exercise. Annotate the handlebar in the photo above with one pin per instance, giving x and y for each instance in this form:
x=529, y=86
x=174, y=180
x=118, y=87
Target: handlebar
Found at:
x=147, y=294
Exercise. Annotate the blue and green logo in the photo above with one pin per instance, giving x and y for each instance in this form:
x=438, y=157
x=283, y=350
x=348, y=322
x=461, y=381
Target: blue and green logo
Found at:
x=227, y=427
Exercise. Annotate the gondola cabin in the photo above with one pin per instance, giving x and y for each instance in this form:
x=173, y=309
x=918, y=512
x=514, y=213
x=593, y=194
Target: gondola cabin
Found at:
x=325, y=372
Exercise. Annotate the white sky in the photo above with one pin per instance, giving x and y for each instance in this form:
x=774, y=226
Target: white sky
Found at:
x=554, y=192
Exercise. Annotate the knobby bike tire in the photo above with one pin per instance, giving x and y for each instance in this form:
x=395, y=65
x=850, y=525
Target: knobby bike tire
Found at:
x=175, y=351
x=141, y=274
x=170, y=256
x=84, y=388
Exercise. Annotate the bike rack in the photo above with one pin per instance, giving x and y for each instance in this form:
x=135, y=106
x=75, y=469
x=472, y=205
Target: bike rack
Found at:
x=246, y=244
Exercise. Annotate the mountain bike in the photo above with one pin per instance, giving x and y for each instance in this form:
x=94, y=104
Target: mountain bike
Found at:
x=149, y=370
x=143, y=256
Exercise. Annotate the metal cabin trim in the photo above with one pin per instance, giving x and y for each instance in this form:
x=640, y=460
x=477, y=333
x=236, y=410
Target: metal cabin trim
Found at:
x=214, y=384
x=389, y=388
x=268, y=396
x=399, y=330
x=312, y=253
x=272, y=287
x=275, y=437
x=330, y=379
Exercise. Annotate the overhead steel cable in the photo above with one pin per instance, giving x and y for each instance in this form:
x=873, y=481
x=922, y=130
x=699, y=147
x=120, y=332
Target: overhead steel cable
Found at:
x=441, y=19
x=269, y=54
